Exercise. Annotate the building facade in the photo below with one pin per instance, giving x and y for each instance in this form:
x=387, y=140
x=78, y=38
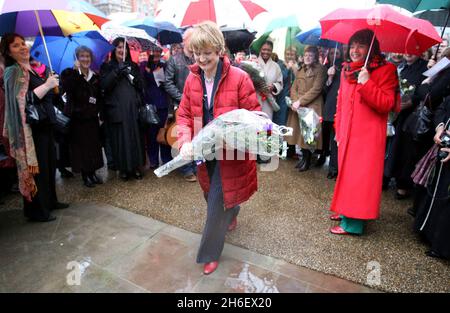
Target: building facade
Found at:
x=142, y=7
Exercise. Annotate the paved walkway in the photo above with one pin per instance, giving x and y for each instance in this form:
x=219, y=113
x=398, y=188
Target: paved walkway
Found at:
x=107, y=249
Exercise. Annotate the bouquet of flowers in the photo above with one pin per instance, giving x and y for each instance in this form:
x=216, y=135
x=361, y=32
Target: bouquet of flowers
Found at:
x=310, y=125
x=259, y=82
x=242, y=130
x=406, y=89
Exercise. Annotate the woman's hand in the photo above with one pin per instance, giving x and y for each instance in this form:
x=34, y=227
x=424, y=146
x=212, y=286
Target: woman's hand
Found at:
x=331, y=71
x=295, y=105
x=448, y=155
x=52, y=81
x=187, y=151
x=363, y=76
x=437, y=137
x=431, y=63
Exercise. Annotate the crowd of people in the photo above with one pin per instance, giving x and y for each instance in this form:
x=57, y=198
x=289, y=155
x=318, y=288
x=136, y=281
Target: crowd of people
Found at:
x=368, y=128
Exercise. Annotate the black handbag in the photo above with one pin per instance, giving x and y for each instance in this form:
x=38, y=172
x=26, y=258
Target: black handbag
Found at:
x=419, y=123
x=62, y=122
x=148, y=115
x=32, y=112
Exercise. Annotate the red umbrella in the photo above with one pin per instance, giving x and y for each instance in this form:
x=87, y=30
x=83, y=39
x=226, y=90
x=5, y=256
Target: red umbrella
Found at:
x=395, y=32
x=231, y=13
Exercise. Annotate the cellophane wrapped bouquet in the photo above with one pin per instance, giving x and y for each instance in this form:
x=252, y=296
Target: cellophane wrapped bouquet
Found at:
x=242, y=130
x=259, y=82
x=310, y=125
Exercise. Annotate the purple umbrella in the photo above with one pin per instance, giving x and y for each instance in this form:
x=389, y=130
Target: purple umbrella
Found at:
x=34, y=15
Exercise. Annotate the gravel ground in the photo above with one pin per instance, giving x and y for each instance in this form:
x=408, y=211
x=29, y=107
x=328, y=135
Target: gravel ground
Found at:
x=288, y=219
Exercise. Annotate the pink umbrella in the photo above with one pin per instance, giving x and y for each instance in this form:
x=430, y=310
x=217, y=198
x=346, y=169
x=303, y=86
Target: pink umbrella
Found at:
x=396, y=32
x=229, y=13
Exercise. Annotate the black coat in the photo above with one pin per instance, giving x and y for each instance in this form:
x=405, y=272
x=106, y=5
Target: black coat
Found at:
x=84, y=100
x=331, y=95
x=436, y=230
x=122, y=93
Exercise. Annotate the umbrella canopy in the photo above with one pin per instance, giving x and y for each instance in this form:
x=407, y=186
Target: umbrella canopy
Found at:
x=136, y=38
x=239, y=13
x=54, y=22
x=281, y=31
x=395, y=32
x=418, y=5
x=435, y=17
x=314, y=37
x=62, y=49
x=237, y=39
x=165, y=32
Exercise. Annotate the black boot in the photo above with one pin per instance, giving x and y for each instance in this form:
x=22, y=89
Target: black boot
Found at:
x=306, y=160
x=95, y=179
x=87, y=181
x=65, y=173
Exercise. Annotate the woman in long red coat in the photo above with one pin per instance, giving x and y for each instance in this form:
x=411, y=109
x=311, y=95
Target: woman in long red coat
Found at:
x=214, y=87
x=365, y=98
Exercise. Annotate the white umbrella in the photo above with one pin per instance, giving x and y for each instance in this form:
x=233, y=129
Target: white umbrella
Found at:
x=136, y=38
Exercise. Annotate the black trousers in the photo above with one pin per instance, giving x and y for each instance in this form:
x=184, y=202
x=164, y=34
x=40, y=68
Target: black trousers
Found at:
x=217, y=220
x=329, y=145
x=45, y=199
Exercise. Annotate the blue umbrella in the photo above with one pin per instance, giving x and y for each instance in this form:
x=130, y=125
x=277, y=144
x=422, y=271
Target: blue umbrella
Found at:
x=313, y=37
x=62, y=49
x=165, y=32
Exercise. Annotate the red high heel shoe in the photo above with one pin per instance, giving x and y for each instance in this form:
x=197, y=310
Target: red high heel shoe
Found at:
x=338, y=230
x=210, y=267
x=233, y=224
x=335, y=217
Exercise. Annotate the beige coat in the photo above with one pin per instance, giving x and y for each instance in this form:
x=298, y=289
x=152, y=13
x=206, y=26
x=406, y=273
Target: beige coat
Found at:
x=307, y=87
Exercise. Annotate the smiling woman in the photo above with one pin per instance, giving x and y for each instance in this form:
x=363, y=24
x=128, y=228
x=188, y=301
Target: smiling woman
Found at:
x=32, y=142
x=213, y=88
x=366, y=96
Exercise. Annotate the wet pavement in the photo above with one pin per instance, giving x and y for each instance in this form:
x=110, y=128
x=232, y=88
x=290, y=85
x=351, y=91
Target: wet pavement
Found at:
x=95, y=247
x=287, y=219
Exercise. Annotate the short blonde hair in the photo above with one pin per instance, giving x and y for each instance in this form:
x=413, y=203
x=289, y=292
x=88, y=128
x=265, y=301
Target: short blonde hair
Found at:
x=206, y=35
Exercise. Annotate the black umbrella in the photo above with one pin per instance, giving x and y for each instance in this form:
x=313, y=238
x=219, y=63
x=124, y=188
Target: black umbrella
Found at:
x=237, y=39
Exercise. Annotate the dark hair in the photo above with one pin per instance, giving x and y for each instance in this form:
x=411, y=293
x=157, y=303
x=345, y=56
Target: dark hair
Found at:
x=330, y=53
x=267, y=42
x=7, y=40
x=364, y=36
x=81, y=49
x=116, y=43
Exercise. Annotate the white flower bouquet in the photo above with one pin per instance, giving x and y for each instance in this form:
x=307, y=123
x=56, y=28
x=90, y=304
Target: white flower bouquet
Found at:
x=242, y=130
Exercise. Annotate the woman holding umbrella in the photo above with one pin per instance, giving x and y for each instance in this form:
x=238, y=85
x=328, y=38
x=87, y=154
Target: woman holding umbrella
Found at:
x=82, y=87
x=121, y=82
x=366, y=95
x=33, y=146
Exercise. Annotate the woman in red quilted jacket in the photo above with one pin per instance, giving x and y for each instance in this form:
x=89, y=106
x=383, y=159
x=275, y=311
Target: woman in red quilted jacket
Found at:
x=212, y=88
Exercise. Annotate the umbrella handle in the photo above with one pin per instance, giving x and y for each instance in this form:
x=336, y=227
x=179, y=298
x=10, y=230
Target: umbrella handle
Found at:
x=43, y=39
x=335, y=50
x=370, y=50
x=124, y=48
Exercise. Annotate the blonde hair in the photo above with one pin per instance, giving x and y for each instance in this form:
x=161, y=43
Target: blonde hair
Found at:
x=206, y=35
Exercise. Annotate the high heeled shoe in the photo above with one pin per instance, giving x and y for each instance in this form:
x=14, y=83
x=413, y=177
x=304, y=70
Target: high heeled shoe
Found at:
x=338, y=230
x=210, y=267
x=233, y=224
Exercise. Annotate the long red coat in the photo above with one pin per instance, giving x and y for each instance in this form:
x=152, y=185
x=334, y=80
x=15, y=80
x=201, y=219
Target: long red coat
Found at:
x=361, y=119
x=235, y=91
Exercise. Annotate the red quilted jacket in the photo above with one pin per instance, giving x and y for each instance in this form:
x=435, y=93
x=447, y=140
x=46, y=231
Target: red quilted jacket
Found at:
x=235, y=91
